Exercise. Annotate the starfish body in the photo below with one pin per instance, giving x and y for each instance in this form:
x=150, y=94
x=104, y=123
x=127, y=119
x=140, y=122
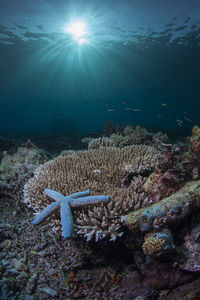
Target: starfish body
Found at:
x=65, y=203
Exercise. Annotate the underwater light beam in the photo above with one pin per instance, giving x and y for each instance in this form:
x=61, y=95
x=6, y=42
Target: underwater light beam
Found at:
x=78, y=31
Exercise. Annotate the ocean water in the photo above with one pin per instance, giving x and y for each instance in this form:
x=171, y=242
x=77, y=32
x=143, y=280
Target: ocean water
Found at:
x=126, y=62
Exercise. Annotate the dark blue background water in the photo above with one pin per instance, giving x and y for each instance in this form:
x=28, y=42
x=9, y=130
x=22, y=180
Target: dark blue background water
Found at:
x=141, y=52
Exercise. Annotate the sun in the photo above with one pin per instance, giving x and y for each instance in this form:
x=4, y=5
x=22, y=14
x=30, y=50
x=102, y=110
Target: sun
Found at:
x=78, y=30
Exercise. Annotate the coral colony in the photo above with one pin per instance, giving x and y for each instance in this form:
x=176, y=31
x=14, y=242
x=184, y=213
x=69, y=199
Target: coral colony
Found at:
x=107, y=170
x=64, y=202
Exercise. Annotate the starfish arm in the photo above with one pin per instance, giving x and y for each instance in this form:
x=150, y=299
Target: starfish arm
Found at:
x=80, y=194
x=66, y=219
x=88, y=200
x=45, y=212
x=53, y=194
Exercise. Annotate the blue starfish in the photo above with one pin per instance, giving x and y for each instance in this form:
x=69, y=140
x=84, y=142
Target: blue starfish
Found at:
x=65, y=203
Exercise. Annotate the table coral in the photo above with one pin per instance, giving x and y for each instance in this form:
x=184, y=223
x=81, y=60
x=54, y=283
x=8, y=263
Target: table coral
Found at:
x=103, y=171
x=65, y=203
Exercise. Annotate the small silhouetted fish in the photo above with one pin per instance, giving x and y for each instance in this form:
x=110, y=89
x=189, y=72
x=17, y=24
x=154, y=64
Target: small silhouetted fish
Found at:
x=188, y=119
x=56, y=113
x=21, y=27
x=85, y=102
x=179, y=28
x=170, y=24
x=125, y=102
x=180, y=122
x=128, y=108
x=111, y=109
x=159, y=116
x=98, y=100
x=165, y=104
x=187, y=20
x=136, y=109
x=107, y=104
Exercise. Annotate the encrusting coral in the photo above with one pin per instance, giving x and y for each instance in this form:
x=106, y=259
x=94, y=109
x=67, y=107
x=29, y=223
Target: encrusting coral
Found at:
x=157, y=243
x=119, y=173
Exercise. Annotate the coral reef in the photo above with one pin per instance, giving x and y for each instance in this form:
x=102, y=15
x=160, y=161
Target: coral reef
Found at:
x=159, y=136
x=191, y=250
x=158, y=258
x=35, y=263
x=168, y=176
x=176, y=165
x=130, y=135
x=100, y=142
x=119, y=173
x=17, y=167
x=195, y=141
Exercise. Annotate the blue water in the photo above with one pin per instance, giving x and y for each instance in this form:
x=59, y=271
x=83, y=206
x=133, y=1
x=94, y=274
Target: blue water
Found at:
x=142, y=52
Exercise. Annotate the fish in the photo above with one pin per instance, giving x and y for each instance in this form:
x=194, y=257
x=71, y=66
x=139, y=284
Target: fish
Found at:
x=165, y=104
x=188, y=119
x=180, y=122
x=127, y=108
x=136, y=109
x=111, y=109
x=98, y=100
x=159, y=116
x=125, y=102
x=107, y=104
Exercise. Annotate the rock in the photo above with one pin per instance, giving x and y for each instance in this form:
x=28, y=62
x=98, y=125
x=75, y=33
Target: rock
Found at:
x=166, y=212
x=160, y=274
